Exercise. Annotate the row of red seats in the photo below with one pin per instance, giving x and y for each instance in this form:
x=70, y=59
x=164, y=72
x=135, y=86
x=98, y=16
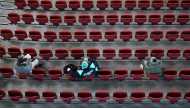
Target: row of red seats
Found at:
x=86, y=96
x=104, y=74
x=98, y=19
x=101, y=4
x=125, y=35
x=107, y=53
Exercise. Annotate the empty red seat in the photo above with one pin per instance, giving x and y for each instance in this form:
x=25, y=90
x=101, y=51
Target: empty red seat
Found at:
x=15, y=95
x=157, y=52
x=50, y=36
x=87, y=4
x=112, y=19
x=32, y=96
x=119, y=96
x=49, y=96
x=173, y=96
x=126, y=19
x=95, y=35
x=185, y=4
x=7, y=34
x=67, y=96
x=80, y=35
x=77, y=53
x=186, y=54
x=170, y=74
x=84, y=19
x=137, y=96
x=42, y=19
x=20, y=34
x=140, y=19
x=130, y=4
x=74, y=4
x=38, y=74
x=141, y=35
x=187, y=96
x=143, y=4
x=46, y=4
x=154, y=19
x=69, y=19
x=35, y=35
x=185, y=74
x=60, y=4
x=55, y=74
x=120, y=74
x=20, y=4
x=102, y=4
x=172, y=35
x=98, y=19
x=110, y=35
x=45, y=54
x=2, y=51
x=137, y=74
x=55, y=19
x=169, y=19
x=125, y=53
x=30, y=51
x=173, y=53
x=109, y=53
x=141, y=53
x=14, y=52
x=156, y=35
x=65, y=35
x=155, y=96
x=185, y=35
x=33, y=4
x=172, y=4
x=84, y=96
x=157, y=4
x=102, y=95
x=183, y=19
x=116, y=4
x=61, y=53
x=27, y=18
x=2, y=94
x=6, y=72
x=14, y=18
x=125, y=35
x=105, y=74
x=93, y=53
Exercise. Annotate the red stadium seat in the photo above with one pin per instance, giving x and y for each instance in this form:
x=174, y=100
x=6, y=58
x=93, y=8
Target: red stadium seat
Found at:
x=109, y=53
x=173, y=53
x=87, y=4
x=170, y=74
x=185, y=4
x=33, y=4
x=102, y=95
x=61, y=53
x=185, y=74
x=173, y=96
x=77, y=53
x=80, y=35
x=137, y=74
x=156, y=35
x=35, y=35
x=2, y=94
x=49, y=96
x=74, y=4
x=60, y=4
x=105, y=74
x=2, y=51
x=130, y=4
x=93, y=53
x=154, y=19
x=157, y=52
x=102, y=4
x=20, y=34
x=14, y=18
x=84, y=19
x=98, y=19
x=185, y=35
x=55, y=19
x=32, y=96
x=183, y=19
x=116, y=4
x=187, y=96
x=157, y=4
x=112, y=19
x=38, y=74
x=120, y=74
x=65, y=35
x=7, y=34
x=42, y=19
x=84, y=96
x=110, y=35
x=14, y=52
x=125, y=53
x=186, y=54
x=45, y=54
x=50, y=36
x=23, y=75
x=119, y=96
x=125, y=35
x=155, y=96
x=69, y=19
x=95, y=35
x=141, y=35
x=15, y=95
x=172, y=4
x=143, y=4
x=30, y=51
x=141, y=53
x=20, y=4
x=6, y=72
x=67, y=96
x=137, y=96
x=169, y=19
x=27, y=18
x=46, y=4
x=55, y=74
x=126, y=19
x=172, y=35
x=140, y=19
